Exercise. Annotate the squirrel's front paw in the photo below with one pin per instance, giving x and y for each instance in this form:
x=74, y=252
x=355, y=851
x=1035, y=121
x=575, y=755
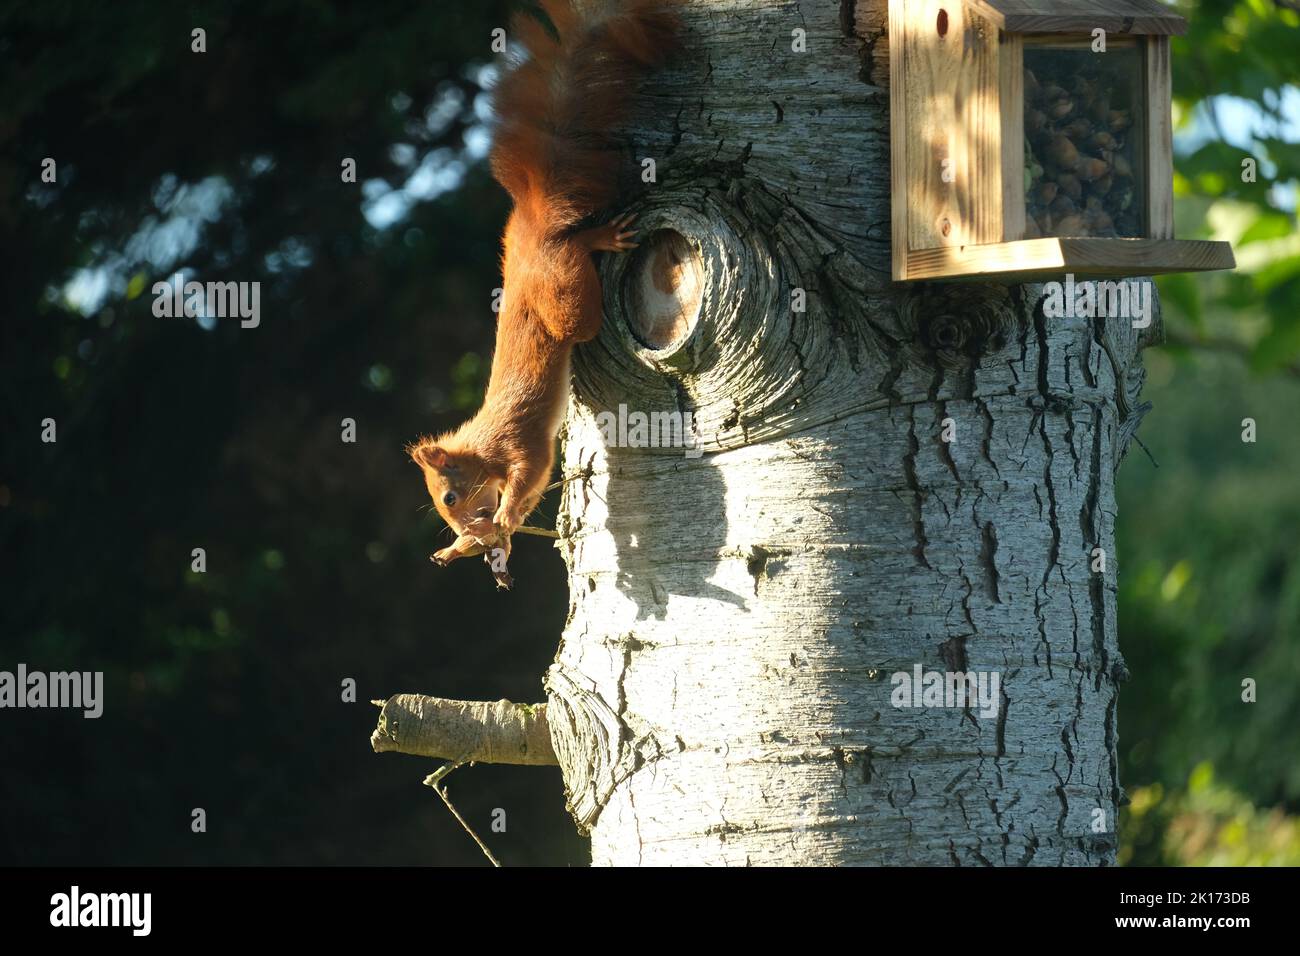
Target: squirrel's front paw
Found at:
x=444, y=557
x=506, y=521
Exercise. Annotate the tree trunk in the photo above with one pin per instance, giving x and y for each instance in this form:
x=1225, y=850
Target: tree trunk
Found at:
x=722, y=693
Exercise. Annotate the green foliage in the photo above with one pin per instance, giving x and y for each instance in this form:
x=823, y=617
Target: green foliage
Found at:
x=1210, y=573
x=1239, y=57
x=1207, y=824
x=1209, y=577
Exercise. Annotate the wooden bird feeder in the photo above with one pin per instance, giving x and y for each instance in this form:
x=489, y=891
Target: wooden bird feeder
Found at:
x=1021, y=150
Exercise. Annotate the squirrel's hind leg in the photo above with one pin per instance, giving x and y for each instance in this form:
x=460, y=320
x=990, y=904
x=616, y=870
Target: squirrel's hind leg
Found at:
x=581, y=323
x=615, y=236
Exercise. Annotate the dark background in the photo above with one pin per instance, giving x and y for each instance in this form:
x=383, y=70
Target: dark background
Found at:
x=223, y=689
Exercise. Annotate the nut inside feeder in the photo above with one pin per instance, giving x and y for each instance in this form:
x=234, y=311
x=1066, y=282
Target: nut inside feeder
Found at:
x=1083, y=127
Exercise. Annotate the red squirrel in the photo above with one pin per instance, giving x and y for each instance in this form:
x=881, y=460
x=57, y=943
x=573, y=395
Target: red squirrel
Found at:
x=552, y=152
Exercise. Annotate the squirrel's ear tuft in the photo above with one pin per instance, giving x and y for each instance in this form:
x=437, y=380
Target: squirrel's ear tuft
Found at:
x=429, y=455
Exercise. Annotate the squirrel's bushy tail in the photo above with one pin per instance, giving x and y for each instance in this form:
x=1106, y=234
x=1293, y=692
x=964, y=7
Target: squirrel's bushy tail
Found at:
x=556, y=107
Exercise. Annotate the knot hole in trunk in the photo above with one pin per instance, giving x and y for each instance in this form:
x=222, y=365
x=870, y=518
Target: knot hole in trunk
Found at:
x=698, y=319
x=663, y=287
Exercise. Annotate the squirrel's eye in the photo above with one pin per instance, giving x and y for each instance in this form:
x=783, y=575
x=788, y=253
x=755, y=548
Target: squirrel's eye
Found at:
x=449, y=498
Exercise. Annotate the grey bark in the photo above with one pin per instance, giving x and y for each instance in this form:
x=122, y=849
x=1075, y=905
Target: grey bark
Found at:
x=722, y=691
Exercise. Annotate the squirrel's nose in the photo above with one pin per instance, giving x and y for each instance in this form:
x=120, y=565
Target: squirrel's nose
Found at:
x=483, y=513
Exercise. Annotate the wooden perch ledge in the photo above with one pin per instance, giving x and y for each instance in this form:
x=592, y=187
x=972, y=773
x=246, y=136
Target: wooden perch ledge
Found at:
x=464, y=731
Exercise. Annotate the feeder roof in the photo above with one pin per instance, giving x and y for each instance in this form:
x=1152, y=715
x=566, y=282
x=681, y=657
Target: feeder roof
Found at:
x=1073, y=16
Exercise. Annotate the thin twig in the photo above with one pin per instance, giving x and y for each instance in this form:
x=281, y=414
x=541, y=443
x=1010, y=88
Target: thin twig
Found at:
x=539, y=532
x=1143, y=446
x=432, y=780
x=584, y=474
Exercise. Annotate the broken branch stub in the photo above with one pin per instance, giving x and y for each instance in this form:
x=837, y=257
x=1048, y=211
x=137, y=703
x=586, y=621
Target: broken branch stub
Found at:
x=464, y=731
